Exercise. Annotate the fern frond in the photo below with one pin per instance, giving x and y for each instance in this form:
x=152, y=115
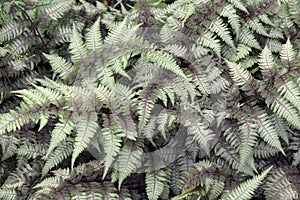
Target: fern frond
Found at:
x=129, y=160
x=247, y=38
x=16, y=119
x=287, y=21
x=246, y=189
x=86, y=127
x=232, y=158
x=282, y=107
x=240, y=76
x=18, y=65
x=31, y=151
x=149, y=130
x=268, y=131
x=276, y=33
x=104, y=94
x=290, y=91
x=62, y=151
x=263, y=150
x=165, y=120
x=115, y=36
x=62, y=34
x=266, y=63
x=265, y=19
x=155, y=183
x=10, y=31
x=199, y=80
x=63, y=128
x=232, y=136
x=89, y=190
x=9, y=145
x=48, y=184
x=89, y=8
x=56, y=9
x=208, y=39
x=93, y=38
x=273, y=45
x=112, y=135
x=256, y=26
x=281, y=127
x=203, y=175
x=282, y=184
x=242, y=51
x=9, y=194
x=197, y=128
x=222, y=31
x=21, y=45
x=145, y=106
x=294, y=10
x=77, y=47
x=238, y=4
x=233, y=19
x=218, y=85
x=62, y=67
x=287, y=53
x=165, y=60
x=109, y=190
x=177, y=50
x=248, y=132
x=40, y=96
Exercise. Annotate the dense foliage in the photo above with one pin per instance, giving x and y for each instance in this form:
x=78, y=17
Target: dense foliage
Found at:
x=150, y=99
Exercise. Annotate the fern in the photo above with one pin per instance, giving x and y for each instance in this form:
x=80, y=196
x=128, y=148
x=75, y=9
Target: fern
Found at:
x=229, y=12
x=56, y=10
x=246, y=189
x=247, y=38
x=155, y=183
x=281, y=184
x=86, y=127
x=112, y=142
x=257, y=26
x=248, y=132
x=10, y=31
x=183, y=100
x=129, y=160
x=62, y=151
x=287, y=53
x=77, y=47
x=239, y=5
x=266, y=63
x=93, y=38
x=61, y=66
x=219, y=28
